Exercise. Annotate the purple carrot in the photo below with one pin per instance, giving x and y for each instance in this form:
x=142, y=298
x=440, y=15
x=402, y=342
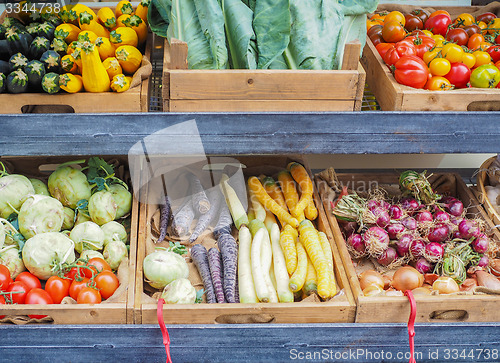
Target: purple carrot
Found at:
x=201, y=204
x=182, y=219
x=214, y=197
x=165, y=214
x=200, y=258
x=224, y=223
x=216, y=271
x=229, y=252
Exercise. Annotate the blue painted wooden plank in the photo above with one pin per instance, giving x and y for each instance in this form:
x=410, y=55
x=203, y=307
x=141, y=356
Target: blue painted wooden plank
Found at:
x=258, y=133
x=478, y=342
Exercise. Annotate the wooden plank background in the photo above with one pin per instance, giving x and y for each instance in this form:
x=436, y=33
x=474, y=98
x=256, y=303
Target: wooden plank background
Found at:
x=257, y=133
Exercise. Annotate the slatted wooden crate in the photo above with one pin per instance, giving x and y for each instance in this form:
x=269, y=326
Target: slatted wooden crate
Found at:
x=433, y=308
x=186, y=90
x=392, y=96
x=340, y=309
x=119, y=308
x=135, y=99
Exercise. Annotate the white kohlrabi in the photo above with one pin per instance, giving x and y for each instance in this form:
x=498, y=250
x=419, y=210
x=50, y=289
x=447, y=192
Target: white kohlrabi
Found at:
x=102, y=207
x=69, y=186
x=87, y=236
x=114, y=252
x=14, y=189
x=179, y=291
x=40, y=214
x=114, y=231
x=162, y=267
x=88, y=254
x=123, y=199
x=40, y=187
x=9, y=257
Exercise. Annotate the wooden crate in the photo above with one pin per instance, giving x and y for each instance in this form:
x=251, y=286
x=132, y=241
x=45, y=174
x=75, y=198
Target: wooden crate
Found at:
x=119, y=310
x=337, y=310
x=133, y=100
x=435, y=308
x=392, y=96
x=186, y=90
x=482, y=180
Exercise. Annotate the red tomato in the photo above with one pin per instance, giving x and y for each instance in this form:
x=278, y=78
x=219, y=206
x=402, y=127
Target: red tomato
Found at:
x=413, y=22
x=377, y=39
x=376, y=29
x=19, y=291
x=497, y=39
x=438, y=24
x=421, y=13
x=73, y=272
x=107, y=283
x=38, y=296
x=77, y=286
x=411, y=71
x=2, y=302
x=458, y=36
x=459, y=75
x=472, y=29
x=393, y=32
x=422, y=43
x=58, y=288
x=5, y=279
x=98, y=264
x=440, y=12
x=486, y=17
x=89, y=295
x=395, y=53
x=382, y=48
x=494, y=53
x=29, y=279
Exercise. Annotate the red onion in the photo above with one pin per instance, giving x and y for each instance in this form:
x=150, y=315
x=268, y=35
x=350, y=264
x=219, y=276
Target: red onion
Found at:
x=417, y=248
x=394, y=229
x=385, y=204
x=456, y=220
x=403, y=244
x=424, y=216
x=441, y=216
x=388, y=256
x=410, y=205
x=423, y=266
x=468, y=228
x=434, y=252
x=372, y=204
x=480, y=244
x=483, y=261
x=439, y=233
x=349, y=227
x=376, y=240
x=452, y=206
x=395, y=212
x=356, y=242
x=410, y=223
x=382, y=216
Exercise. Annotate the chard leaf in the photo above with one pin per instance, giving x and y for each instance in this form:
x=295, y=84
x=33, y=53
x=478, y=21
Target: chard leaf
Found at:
x=353, y=27
x=240, y=34
x=159, y=16
x=271, y=23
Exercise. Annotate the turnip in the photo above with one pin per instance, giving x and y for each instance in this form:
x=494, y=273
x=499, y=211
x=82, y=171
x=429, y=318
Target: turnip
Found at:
x=40, y=214
x=40, y=187
x=114, y=231
x=102, y=207
x=69, y=219
x=14, y=189
x=69, y=186
x=376, y=241
x=9, y=257
x=87, y=236
x=45, y=250
x=122, y=198
x=114, y=252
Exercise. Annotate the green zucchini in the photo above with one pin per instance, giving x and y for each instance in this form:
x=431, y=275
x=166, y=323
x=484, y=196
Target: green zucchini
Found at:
x=3, y=82
x=46, y=30
x=59, y=45
x=54, y=19
x=18, y=61
x=17, y=81
x=32, y=29
x=50, y=83
x=51, y=59
x=3, y=30
x=16, y=42
x=35, y=16
x=4, y=67
x=9, y=22
x=35, y=70
x=38, y=46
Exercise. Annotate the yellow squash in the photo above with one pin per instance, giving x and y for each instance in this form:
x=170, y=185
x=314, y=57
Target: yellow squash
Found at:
x=140, y=27
x=71, y=13
x=87, y=35
x=121, y=20
x=142, y=10
x=89, y=22
x=120, y=83
x=106, y=49
x=94, y=75
x=67, y=32
x=123, y=7
x=130, y=58
x=124, y=36
x=71, y=83
x=112, y=66
x=68, y=64
x=106, y=17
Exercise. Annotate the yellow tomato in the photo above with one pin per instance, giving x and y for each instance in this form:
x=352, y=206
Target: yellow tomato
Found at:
x=484, y=45
x=481, y=58
x=439, y=66
x=482, y=25
x=464, y=19
x=370, y=23
x=428, y=33
x=395, y=16
x=378, y=17
x=430, y=55
x=469, y=59
x=452, y=52
x=437, y=37
x=494, y=26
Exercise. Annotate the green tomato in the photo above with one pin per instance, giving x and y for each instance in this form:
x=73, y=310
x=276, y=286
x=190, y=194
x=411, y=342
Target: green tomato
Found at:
x=485, y=76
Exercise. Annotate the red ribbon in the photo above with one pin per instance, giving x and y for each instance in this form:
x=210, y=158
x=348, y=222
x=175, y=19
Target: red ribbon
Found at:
x=163, y=328
x=411, y=324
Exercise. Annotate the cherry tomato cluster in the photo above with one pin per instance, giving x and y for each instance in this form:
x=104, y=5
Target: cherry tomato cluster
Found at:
x=87, y=283
x=435, y=52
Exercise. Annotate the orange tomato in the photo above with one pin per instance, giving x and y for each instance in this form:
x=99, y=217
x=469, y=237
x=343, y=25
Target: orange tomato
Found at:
x=438, y=83
x=437, y=12
x=484, y=45
x=379, y=17
x=370, y=23
x=475, y=41
x=395, y=16
x=482, y=25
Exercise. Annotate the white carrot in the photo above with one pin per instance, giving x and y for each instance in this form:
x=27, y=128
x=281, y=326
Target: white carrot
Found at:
x=233, y=202
x=280, y=271
x=261, y=289
x=245, y=279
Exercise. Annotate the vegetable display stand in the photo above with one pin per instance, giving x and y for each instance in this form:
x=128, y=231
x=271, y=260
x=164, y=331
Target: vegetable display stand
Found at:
x=392, y=96
x=396, y=309
x=233, y=90
x=135, y=99
x=482, y=181
x=117, y=309
x=340, y=308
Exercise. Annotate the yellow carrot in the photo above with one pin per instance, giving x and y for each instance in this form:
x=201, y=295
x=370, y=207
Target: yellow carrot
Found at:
x=300, y=175
x=259, y=191
x=299, y=276
x=310, y=239
x=290, y=192
x=327, y=250
x=311, y=211
x=287, y=242
x=311, y=283
x=274, y=191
